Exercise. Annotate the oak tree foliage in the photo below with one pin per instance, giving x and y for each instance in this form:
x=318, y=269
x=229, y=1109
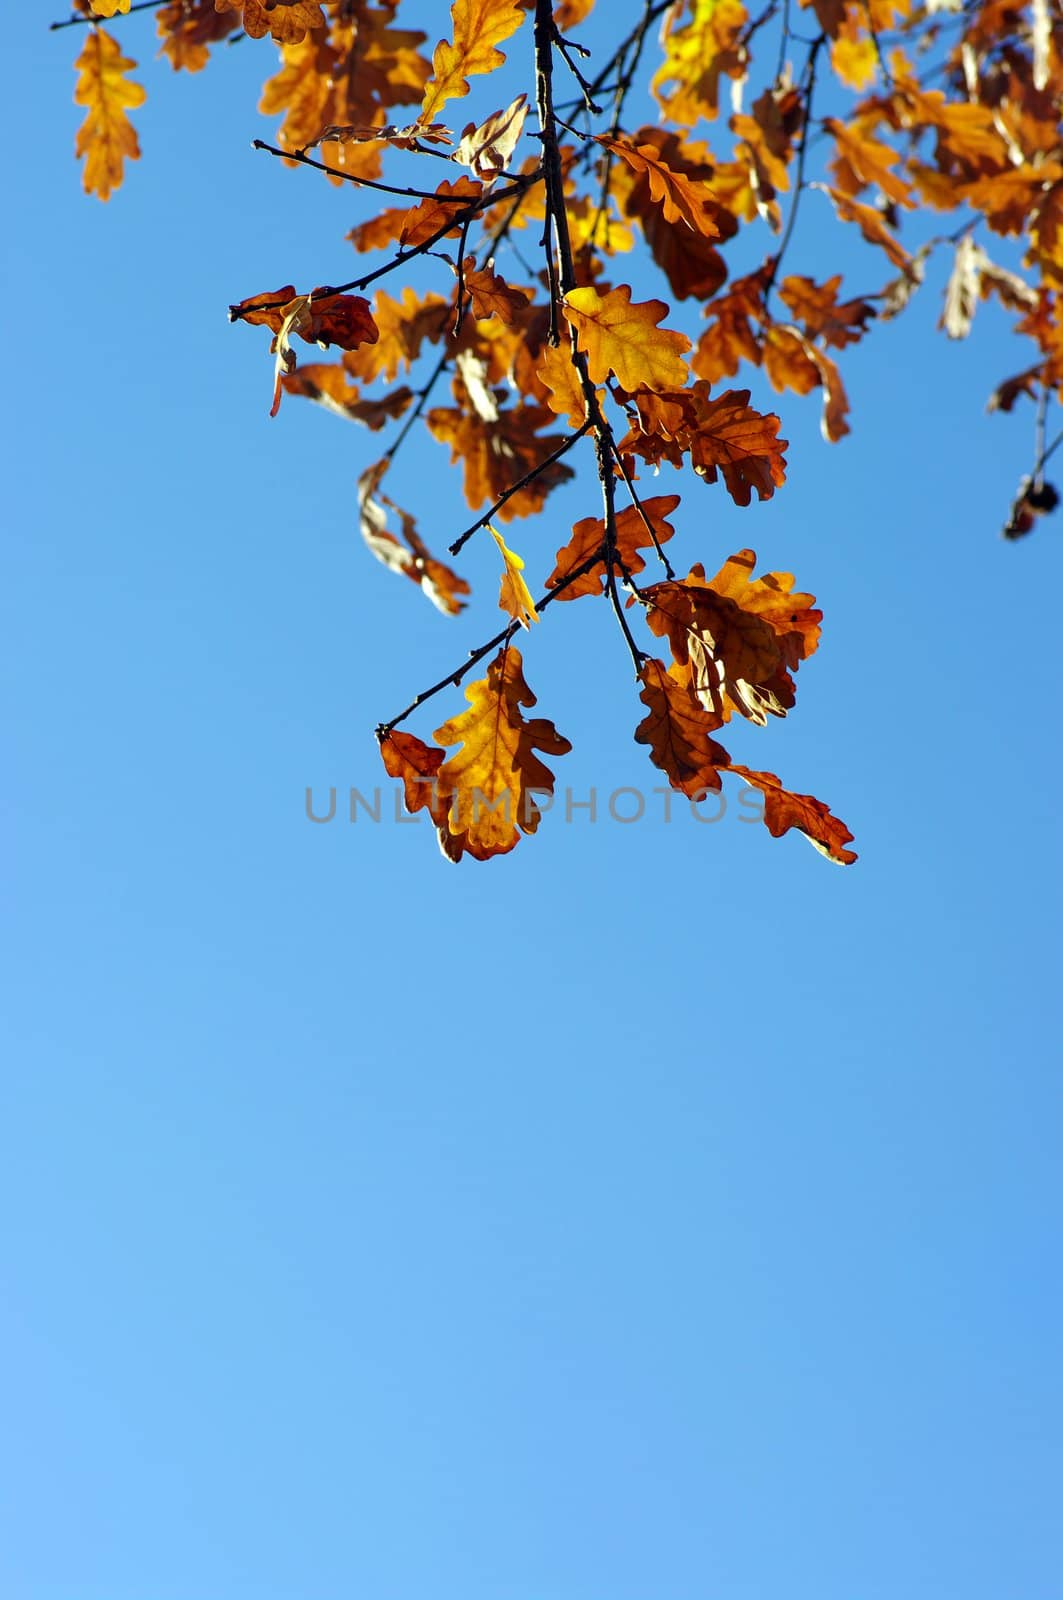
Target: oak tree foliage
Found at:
x=926, y=127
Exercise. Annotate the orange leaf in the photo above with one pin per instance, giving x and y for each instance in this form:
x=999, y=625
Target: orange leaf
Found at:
x=496, y=775
x=565, y=396
x=735, y=641
x=491, y=295
x=186, y=28
x=784, y=810
x=106, y=137
x=417, y=764
x=871, y=223
x=340, y=319
x=452, y=202
x=497, y=450
x=632, y=537
x=619, y=337
x=287, y=21
x=723, y=435
x=479, y=25
x=682, y=199
x=678, y=733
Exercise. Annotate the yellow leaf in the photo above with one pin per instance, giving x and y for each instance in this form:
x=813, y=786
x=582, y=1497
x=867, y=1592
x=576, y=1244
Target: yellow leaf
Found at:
x=515, y=597
x=106, y=137
x=107, y=8
x=619, y=337
x=478, y=26
x=565, y=392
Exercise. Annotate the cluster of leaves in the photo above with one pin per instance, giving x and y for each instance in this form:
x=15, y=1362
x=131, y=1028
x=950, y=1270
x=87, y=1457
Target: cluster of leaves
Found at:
x=895, y=112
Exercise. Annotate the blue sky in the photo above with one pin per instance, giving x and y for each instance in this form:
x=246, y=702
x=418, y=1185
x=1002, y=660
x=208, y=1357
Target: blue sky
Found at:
x=658, y=1211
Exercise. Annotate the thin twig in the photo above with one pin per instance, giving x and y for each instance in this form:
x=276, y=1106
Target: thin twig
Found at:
x=503, y=636
x=73, y=22
x=302, y=159
x=515, y=488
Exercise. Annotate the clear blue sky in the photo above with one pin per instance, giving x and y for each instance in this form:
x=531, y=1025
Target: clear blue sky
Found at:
x=660, y=1212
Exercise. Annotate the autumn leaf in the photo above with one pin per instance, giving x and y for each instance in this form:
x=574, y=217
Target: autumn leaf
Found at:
x=106, y=138
x=624, y=338
x=871, y=223
x=417, y=765
x=722, y=436
x=187, y=28
x=515, y=597
x=565, y=394
x=784, y=810
x=636, y=530
x=340, y=319
x=441, y=585
x=287, y=21
x=328, y=385
x=487, y=149
x=817, y=307
x=499, y=449
x=735, y=641
x=107, y=8
x=682, y=199
x=435, y=217
x=478, y=26
x=496, y=778
x=491, y=295
x=678, y=731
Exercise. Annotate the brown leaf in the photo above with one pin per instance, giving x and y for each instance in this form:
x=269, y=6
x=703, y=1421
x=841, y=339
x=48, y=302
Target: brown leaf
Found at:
x=678, y=732
x=784, y=810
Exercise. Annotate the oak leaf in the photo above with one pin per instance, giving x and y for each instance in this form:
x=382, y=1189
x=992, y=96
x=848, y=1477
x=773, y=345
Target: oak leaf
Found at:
x=681, y=199
x=784, y=810
x=187, y=28
x=565, y=394
x=437, y=217
x=624, y=338
x=441, y=585
x=491, y=295
x=496, y=775
x=287, y=21
x=722, y=436
x=734, y=640
x=318, y=318
x=497, y=452
x=106, y=138
x=417, y=765
x=478, y=25
x=328, y=385
x=679, y=733
x=632, y=536
x=871, y=223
